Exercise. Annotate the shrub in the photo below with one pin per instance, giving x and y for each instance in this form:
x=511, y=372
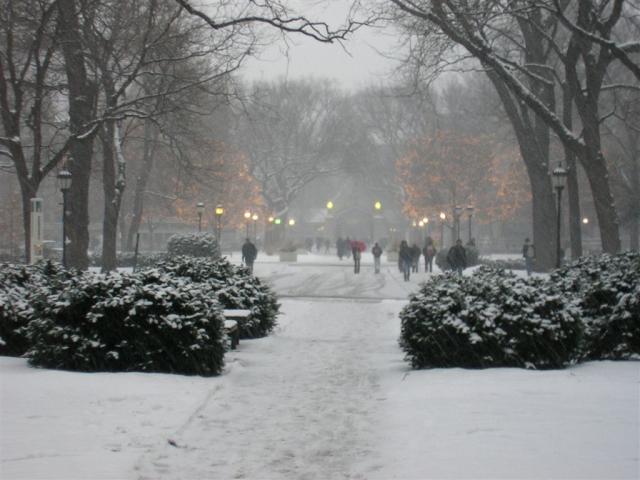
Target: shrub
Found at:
x=20, y=288
x=443, y=263
x=127, y=259
x=128, y=322
x=605, y=290
x=234, y=287
x=193, y=245
x=505, y=264
x=490, y=319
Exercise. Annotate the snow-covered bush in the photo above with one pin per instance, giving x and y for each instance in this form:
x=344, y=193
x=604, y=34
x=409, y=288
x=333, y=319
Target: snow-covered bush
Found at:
x=505, y=264
x=234, y=287
x=490, y=319
x=605, y=290
x=20, y=287
x=147, y=321
x=193, y=245
x=443, y=263
x=128, y=259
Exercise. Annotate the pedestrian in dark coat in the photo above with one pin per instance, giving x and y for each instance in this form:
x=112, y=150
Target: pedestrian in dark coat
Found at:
x=429, y=251
x=377, y=253
x=415, y=257
x=406, y=259
x=249, y=254
x=457, y=257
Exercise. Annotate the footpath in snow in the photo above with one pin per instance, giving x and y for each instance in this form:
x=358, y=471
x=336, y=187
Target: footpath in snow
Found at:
x=327, y=396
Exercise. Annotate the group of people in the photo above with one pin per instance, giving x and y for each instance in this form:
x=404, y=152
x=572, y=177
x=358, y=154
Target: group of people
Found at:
x=409, y=257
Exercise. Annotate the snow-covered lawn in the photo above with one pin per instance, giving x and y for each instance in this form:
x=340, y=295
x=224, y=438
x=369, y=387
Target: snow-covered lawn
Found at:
x=328, y=395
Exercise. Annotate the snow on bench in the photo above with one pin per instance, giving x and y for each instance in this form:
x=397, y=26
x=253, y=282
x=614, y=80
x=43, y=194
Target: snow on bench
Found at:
x=233, y=319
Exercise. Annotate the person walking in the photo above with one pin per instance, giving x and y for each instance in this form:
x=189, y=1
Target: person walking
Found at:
x=377, y=253
x=406, y=259
x=415, y=257
x=529, y=254
x=429, y=251
x=356, y=253
x=457, y=257
x=249, y=254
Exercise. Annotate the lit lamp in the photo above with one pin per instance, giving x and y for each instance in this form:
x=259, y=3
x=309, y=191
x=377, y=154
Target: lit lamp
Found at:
x=247, y=217
x=219, y=212
x=443, y=219
x=377, y=206
x=470, y=209
x=200, y=210
x=64, y=183
x=585, y=221
x=558, y=177
x=292, y=222
x=329, y=205
x=254, y=217
x=277, y=221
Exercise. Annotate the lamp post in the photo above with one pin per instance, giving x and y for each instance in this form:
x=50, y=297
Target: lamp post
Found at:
x=457, y=212
x=254, y=217
x=247, y=217
x=443, y=218
x=219, y=213
x=64, y=182
x=200, y=210
x=559, y=177
x=470, y=209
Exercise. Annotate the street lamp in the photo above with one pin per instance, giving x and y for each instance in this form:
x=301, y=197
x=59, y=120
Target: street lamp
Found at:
x=247, y=217
x=585, y=221
x=64, y=183
x=219, y=213
x=254, y=217
x=559, y=177
x=329, y=205
x=457, y=212
x=443, y=218
x=200, y=210
x=292, y=222
x=470, y=209
x=377, y=206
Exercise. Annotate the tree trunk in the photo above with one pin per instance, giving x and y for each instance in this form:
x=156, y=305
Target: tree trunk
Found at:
x=27, y=192
x=573, y=192
x=81, y=108
x=110, y=220
x=150, y=136
x=535, y=153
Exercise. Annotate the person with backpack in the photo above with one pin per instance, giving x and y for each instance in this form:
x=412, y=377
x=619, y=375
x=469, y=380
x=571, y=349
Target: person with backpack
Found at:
x=429, y=251
x=377, y=253
x=249, y=254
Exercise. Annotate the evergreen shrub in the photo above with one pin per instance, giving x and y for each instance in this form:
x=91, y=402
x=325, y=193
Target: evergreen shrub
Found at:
x=193, y=245
x=234, y=287
x=20, y=288
x=489, y=319
x=605, y=290
x=147, y=321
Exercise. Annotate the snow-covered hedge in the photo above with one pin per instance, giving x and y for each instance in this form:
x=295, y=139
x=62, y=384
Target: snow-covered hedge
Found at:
x=20, y=287
x=193, y=245
x=605, y=289
x=505, y=264
x=127, y=259
x=234, y=287
x=490, y=319
x=148, y=321
x=443, y=263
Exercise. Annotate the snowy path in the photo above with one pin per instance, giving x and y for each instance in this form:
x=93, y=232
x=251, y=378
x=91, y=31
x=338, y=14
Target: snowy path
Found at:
x=302, y=404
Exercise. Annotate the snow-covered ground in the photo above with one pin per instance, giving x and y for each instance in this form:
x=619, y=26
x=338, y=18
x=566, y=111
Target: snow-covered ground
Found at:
x=327, y=396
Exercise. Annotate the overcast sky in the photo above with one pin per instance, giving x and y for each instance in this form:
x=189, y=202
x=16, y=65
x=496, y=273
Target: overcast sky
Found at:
x=302, y=57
